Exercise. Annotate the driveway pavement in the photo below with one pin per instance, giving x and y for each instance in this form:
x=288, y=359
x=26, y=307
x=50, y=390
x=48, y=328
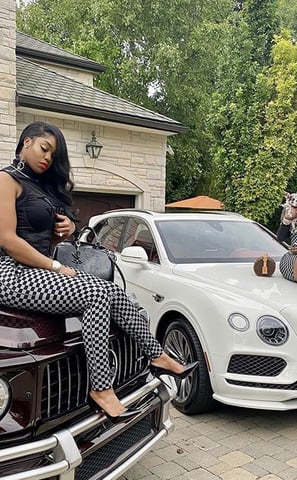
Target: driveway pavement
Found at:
x=227, y=444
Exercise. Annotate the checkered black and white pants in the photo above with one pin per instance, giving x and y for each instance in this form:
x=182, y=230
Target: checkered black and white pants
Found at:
x=97, y=300
x=286, y=264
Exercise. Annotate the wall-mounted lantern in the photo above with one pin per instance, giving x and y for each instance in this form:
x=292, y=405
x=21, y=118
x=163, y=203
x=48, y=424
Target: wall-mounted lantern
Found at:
x=93, y=148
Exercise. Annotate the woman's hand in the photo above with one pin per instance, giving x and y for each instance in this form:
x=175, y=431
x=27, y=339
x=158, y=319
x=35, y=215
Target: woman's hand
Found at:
x=67, y=271
x=64, y=227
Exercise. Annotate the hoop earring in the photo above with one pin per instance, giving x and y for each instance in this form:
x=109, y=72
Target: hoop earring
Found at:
x=20, y=165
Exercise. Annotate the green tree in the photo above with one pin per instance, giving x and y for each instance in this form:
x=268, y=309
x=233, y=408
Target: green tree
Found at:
x=272, y=166
x=287, y=12
x=161, y=54
x=239, y=110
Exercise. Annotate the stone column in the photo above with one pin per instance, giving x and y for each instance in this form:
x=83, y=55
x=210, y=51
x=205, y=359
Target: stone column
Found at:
x=7, y=80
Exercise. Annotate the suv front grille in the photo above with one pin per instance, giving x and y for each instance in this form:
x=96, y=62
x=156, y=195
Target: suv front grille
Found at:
x=108, y=455
x=65, y=384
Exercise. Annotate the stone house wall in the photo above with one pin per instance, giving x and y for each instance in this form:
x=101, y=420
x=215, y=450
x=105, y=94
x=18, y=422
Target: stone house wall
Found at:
x=81, y=76
x=131, y=161
x=7, y=79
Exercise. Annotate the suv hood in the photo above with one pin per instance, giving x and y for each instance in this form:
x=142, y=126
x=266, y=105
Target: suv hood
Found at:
x=275, y=291
x=21, y=330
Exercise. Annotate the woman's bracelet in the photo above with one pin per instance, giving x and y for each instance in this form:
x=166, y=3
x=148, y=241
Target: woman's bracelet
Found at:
x=56, y=266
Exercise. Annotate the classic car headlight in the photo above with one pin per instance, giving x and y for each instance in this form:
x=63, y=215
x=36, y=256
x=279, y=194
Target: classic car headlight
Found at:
x=272, y=330
x=238, y=322
x=4, y=396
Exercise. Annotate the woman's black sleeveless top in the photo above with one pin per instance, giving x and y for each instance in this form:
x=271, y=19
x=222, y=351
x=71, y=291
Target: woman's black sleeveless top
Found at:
x=35, y=210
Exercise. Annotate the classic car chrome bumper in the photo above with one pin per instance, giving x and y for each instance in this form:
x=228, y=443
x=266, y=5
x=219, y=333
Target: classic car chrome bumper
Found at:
x=62, y=448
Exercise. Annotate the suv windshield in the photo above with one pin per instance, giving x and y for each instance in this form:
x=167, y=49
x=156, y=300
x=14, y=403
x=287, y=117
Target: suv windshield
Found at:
x=225, y=241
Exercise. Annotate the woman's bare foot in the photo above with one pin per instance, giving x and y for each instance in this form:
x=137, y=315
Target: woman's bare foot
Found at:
x=108, y=401
x=168, y=363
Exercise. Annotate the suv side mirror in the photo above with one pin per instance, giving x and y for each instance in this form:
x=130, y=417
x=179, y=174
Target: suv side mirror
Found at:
x=134, y=255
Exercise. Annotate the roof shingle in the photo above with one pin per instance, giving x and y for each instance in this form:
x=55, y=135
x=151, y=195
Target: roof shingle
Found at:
x=39, y=87
x=33, y=48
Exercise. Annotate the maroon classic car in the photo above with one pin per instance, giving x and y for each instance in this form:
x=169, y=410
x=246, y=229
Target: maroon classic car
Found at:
x=47, y=429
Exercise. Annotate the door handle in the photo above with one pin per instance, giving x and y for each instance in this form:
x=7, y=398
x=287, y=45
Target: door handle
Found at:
x=158, y=298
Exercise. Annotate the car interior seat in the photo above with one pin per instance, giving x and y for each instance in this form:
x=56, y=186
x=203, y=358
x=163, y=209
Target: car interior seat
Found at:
x=145, y=240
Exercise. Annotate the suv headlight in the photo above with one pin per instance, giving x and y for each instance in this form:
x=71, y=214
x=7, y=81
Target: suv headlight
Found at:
x=4, y=396
x=272, y=331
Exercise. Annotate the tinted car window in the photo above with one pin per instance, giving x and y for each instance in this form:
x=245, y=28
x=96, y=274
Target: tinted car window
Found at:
x=191, y=241
x=138, y=234
x=130, y=232
x=109, y=232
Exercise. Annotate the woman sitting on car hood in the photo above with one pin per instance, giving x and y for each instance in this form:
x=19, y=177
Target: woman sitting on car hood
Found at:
x=35, y=209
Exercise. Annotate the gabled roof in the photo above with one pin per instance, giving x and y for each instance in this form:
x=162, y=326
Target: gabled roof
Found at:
x=30, y=47
x=43, y=89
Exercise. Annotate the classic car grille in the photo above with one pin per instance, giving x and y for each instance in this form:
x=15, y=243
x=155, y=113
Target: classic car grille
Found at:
x=65, y=383
x=256, y=365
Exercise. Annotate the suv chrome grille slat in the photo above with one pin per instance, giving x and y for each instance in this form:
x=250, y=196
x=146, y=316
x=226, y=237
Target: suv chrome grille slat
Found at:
x=48, y=381
x=59, y=385
x=78, y=381
x=69, y=383
x=116, y=349
x=127, y=357
x=132, y=352
x=65, y=385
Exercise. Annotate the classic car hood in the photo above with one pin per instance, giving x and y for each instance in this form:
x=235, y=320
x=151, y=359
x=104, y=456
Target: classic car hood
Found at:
x=274, y=291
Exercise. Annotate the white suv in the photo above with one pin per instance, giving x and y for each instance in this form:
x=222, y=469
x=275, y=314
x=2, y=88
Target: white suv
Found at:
x=194, y=273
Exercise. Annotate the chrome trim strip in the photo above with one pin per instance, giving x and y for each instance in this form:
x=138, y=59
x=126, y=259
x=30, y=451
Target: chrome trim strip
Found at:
x=20, y=451
x=41, y=472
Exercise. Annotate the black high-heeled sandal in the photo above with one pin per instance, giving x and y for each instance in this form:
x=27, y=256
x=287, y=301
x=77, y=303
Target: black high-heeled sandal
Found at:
x=158, y=371
x=124, y=417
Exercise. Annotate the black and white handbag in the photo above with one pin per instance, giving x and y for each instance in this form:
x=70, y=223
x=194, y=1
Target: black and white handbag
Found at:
x=91, y=258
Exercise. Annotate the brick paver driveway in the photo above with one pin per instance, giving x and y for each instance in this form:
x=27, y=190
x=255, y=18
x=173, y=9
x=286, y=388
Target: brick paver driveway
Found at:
x=227, y=444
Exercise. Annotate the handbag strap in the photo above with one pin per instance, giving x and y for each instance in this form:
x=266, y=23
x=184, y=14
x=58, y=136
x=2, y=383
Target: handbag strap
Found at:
x=90, y=229
x=121, y=275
